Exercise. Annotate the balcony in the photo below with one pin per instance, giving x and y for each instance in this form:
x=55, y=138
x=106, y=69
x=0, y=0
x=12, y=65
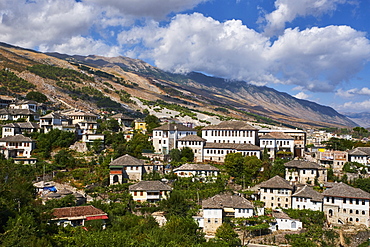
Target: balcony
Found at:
x=153, y=197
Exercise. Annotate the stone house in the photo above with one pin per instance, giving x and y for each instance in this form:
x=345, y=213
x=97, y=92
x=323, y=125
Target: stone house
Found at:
x=344, y=204
x=202, y=172
x=307, y=198
x=149, y=191
x=216, y=152
x=196, y=144
x=13, y=129
x=276, y=142
x=219, y=207
x=360, y=155
x=276, y=192
x=77, y=216
x=17, y=147
x=305, y=172
x=284, y=222
x=126, y=168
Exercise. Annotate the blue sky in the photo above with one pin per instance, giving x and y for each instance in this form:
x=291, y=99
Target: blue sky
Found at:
x=317, y=50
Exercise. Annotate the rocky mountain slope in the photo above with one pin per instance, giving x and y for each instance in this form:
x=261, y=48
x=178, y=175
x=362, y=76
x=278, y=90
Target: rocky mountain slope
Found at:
x=120, y=79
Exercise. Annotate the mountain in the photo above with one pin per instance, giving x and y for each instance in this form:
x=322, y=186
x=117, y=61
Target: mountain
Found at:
x=116, y=79
x=360, y=118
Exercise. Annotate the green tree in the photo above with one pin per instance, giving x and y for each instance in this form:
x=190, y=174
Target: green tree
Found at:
x=226, y=234
x=37, y=96
x=64, y=159
x=151, y=122
x=187, y=153
x=339, y=144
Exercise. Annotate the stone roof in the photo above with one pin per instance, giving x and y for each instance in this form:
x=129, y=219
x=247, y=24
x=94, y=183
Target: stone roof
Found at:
x=196, y=167
x=226, y=201
x=15, y=112
x=308, y=192
x=363, y=151
x=79, y=113
x=344, y=190
x=276, y=182
x=23, y=125
x=149, y=185
x=277, y=135
x=126, y=160
x=280, y=215
x=16, y=138
x=192, y=138
x=236, y=146
x=174, y=126
x=230, y=125
x=302, y=164
x=53, y=115
x=79, y=211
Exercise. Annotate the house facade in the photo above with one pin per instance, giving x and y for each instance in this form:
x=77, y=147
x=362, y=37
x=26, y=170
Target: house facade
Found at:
x=305, y=172
x=196, y=144
x=360, y=155
x=165, y=137
x=277, y=144
x=202, y=172
x=216, y=152
x=13, y=129
x=307, y=198
x=344, y=204
x=284, y=222
x=126, y=168
x=149, y=191
x=276, y=193
x=77, y=216
x=17, y=146
x=219, y=207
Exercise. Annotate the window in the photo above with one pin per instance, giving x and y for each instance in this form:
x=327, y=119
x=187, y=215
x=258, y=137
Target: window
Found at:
x=135, y=193
x=209, y=220
x=141, y=193
x=357, y=201
x=216, y=221
x=363, y=212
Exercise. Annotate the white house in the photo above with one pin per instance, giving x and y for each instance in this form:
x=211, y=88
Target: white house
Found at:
x=165, y=137
x=219, y=207
x=344, y=204
x=284, y=222
x=307, y=198
x=360, y=155
x=17, y=147
x=149, y=191
x=203, y=172
x=305, y=172
x=13, y=129
x=196, y=144
x=126, y=168
x=17, y=114
x=216, y=152
x=277, y=142
x=276, y=192
x=54, y=120
x=230, y=132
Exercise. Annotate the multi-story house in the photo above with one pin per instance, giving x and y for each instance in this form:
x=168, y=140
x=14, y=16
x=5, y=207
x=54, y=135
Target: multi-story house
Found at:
x=216, y=152
x=196, y=144
x=27, y=104
x=80, y=116
x=360, y=155
x=344, y=204
x=17, y=114
x=333, y=159
x=165, y=137
x=298, y=135
x=140, y=125
x=17, y=147
x=123, y=119
x=305, y=172
x=307, y=198
x=202, y=172
x=54, y=120
x=149, y=191
x=230, y=132
x=219, y=207
x=13, y=129
x=276, y=193
x=277, y=144
x=126, y=168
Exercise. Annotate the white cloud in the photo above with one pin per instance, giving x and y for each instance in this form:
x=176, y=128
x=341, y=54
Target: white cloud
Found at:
x=353, y=92
x=157, y=9
x=355, y=106
x=315, y=59
x=30, y=24
x=288, y=10
x=301, y=95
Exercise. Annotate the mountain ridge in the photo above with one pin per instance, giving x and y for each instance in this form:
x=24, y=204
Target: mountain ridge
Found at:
x=240, y=99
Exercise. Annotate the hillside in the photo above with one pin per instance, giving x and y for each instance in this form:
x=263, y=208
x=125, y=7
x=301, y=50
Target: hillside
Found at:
x=117, y=84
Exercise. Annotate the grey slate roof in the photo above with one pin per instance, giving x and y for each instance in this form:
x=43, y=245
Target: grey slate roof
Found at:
x=360, y=151
x=15, y=112
x=149, y=185
x=280, y=215
x=236, y=146
x=230, y=125
x=276, y=182
x=196, y=167
x=16, y=138
x=277, y=135
x=23, y=125
x=173, y=126
x=308, y=192
x=192, y=138
x=53, y=115
x=302, y=164
x=344, y=190
x=126, y=160
x=226, y=201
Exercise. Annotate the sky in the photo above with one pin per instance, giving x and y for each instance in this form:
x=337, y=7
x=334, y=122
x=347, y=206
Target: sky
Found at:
x=318, y=50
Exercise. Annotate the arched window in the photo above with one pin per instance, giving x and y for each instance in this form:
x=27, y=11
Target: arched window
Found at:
x=115, y=179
